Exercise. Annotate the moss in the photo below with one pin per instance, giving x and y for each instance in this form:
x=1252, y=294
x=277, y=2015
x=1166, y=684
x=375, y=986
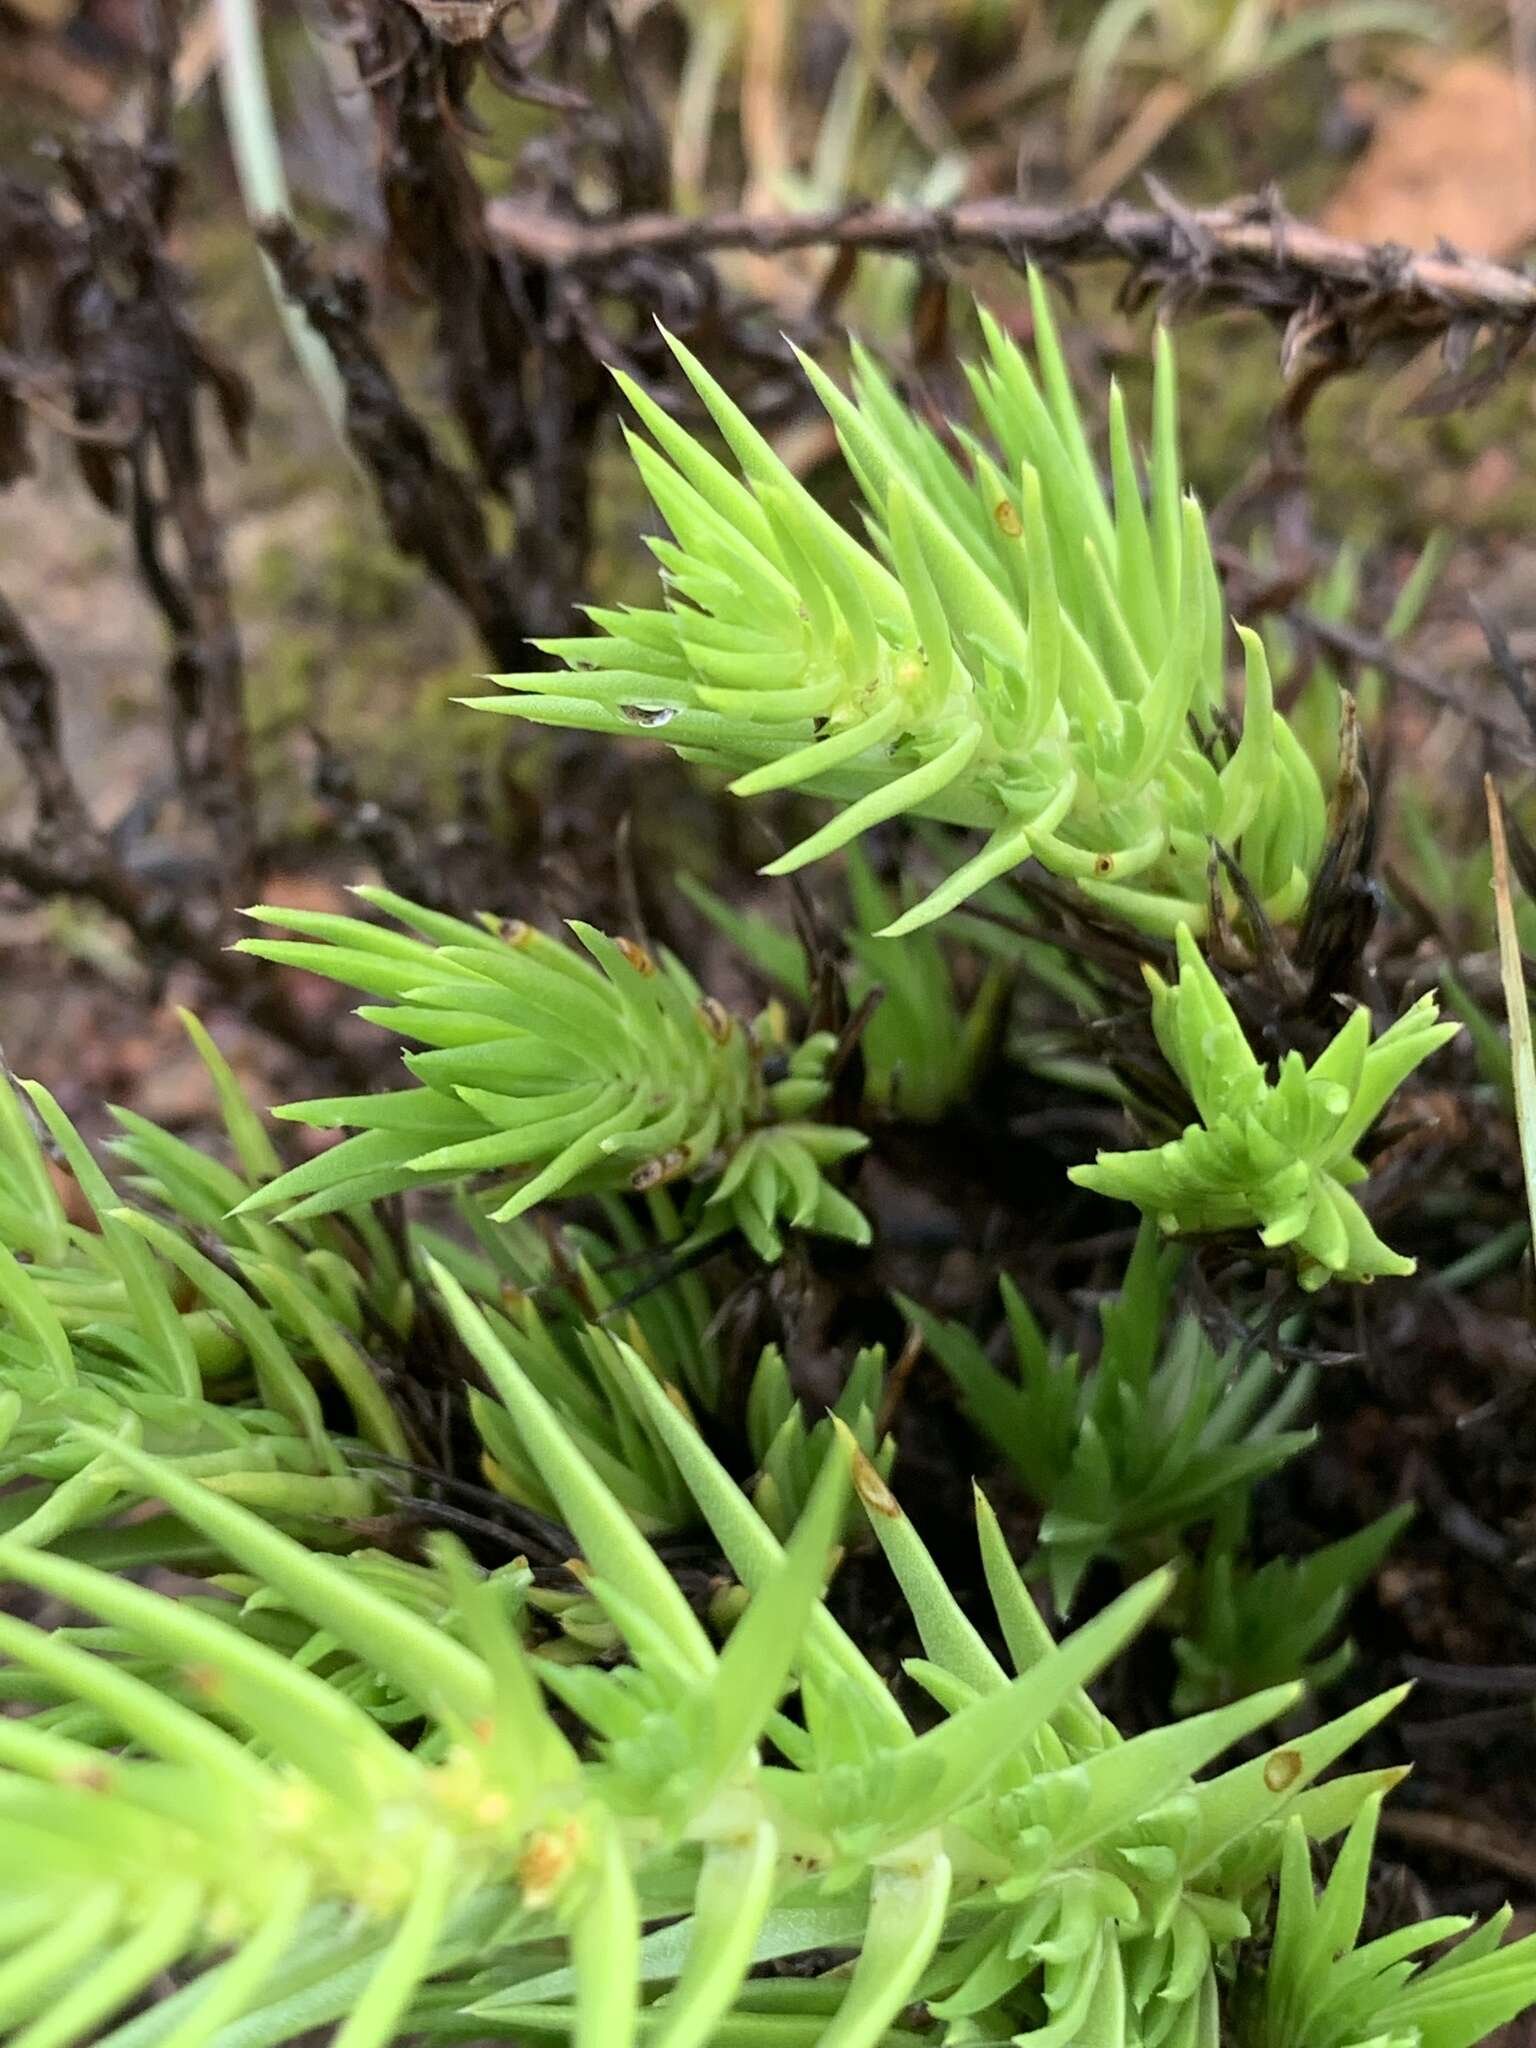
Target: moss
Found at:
x=1399, y=477
x=367, y=582
x=284, y=680
x=354, y=577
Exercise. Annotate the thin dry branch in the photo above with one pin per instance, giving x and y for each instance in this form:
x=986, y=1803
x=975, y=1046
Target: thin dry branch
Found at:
x=1366, y=650
x=68, y=854
x=1333, y=296
x=431, y=507
x=98, y=342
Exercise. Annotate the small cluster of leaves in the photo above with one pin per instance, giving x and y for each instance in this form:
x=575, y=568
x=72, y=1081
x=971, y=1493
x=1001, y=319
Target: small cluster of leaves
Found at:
x=1017, y=1870
x=564, y=1072
x=1325, y=1990
x=1154, y=1438
x=1243, y=1626
x=1276, y=1156
x=1150, y=1456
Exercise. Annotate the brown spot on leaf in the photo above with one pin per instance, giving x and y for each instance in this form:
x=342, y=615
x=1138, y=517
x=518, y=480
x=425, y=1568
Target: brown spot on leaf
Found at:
x=636, y=955
x=547, y=1860
x=1282, y=1768
x=872, y=1489
x=666, y=1166
x=717, y=1019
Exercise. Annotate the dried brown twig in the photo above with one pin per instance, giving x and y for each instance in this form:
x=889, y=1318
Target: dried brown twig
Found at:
x=68, y=854
x=431, y=508
x=1332, y=296
x=97, y=342
x=522, y=363
x=1369, y=651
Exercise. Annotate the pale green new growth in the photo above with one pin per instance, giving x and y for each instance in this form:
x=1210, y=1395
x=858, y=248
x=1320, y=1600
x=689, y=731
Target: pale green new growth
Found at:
x=1275, y=1156
x=561, y=1072
x=1012, y=648
x=789, y=1450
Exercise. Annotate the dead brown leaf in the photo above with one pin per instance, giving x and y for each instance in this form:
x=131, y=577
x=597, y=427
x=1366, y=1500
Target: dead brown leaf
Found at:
x=1456, y=164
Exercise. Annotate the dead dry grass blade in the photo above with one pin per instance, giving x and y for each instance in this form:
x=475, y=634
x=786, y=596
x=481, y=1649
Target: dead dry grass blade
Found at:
x=1516, y=996
x=257, y=152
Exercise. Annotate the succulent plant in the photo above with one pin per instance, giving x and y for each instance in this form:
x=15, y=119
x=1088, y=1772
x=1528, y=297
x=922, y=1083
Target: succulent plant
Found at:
x=1159, y=1434
x=1012, y=649
x=563, y=1072
x=1018, y=1869
x=1276, y=1155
